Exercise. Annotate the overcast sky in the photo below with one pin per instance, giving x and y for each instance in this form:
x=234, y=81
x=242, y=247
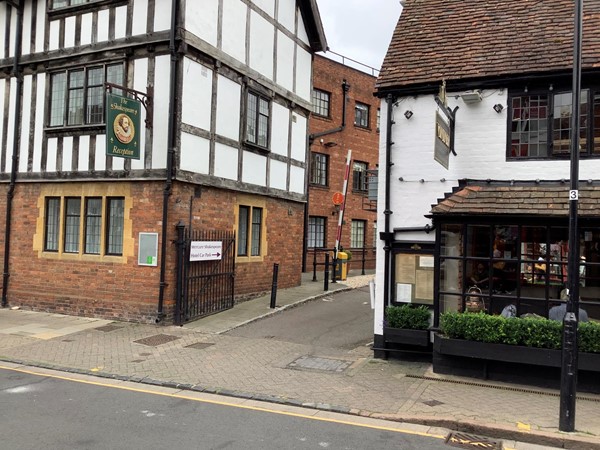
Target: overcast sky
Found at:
x=359, y=29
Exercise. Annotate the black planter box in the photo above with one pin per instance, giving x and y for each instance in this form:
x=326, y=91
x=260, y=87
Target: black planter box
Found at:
x=419, y=338
x=512, y=363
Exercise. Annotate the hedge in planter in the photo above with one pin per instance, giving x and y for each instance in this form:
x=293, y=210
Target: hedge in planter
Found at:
x=529, y=332
x=407, y=316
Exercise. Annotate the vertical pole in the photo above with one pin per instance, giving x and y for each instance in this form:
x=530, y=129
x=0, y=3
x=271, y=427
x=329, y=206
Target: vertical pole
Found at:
x=274, y=285
x=568, y=382
x=180, y=227
x=326, y=278
x=314, y=264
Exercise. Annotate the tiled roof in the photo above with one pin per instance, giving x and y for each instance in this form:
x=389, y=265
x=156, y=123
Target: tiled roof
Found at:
x=472, y=39
x=532, y=200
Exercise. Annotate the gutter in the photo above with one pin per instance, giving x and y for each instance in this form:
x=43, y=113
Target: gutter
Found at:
x=170, y=154
x=15, y=153
x=345, y=89
x=386, y=235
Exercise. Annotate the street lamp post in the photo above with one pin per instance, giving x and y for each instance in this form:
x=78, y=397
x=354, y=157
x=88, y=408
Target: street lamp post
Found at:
x=568, y=382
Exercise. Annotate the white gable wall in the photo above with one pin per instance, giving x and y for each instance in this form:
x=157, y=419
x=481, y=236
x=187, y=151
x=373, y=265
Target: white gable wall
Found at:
x=234, y=29
x=197, y=94
x=262, y=35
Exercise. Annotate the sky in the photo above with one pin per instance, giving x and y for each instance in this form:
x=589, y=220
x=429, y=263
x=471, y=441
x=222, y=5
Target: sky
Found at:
x=359, y=29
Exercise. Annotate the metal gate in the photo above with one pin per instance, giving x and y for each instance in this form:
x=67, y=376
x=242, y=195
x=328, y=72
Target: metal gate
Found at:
x=204, y=286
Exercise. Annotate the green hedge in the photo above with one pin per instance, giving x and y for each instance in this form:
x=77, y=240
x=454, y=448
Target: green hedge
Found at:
x=530, y=332
x=407, y=316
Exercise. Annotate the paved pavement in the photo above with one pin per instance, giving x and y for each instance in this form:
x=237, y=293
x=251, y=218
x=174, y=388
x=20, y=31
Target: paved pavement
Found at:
x=200, y=356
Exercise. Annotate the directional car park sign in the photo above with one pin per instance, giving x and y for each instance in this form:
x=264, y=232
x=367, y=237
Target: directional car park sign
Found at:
x=206, y=250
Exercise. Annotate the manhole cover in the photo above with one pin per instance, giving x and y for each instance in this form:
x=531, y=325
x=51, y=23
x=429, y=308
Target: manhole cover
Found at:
x=433, y=403
x=199, y=345
x=317, y=363
x=464, y=440
x=107, y=328
x=157, y=339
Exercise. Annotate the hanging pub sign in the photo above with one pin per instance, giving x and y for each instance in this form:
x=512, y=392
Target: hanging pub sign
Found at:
x=441, y=149
x=122, y=126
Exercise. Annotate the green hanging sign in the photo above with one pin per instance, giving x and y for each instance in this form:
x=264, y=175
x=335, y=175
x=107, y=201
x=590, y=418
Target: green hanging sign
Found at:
x=122, y=126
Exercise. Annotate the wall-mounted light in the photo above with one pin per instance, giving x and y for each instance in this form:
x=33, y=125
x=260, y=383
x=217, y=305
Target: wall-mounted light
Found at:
x=498, y=108
x=471, y=97
x=408, y=114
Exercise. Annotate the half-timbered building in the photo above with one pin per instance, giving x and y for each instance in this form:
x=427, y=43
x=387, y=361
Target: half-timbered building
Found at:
x=213, y=186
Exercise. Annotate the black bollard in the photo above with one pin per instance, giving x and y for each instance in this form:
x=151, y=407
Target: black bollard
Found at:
x=568, y=381
x=274, y=285
x=326, y=277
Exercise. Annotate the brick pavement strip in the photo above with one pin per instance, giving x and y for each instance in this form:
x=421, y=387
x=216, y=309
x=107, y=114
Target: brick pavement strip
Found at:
x=254, y=368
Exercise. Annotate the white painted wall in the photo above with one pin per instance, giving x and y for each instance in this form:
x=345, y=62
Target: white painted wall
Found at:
x=54, y=30
x=228, y=108
x=285, y=61
x=278, y=175
x=195, y=153
x=302, y=34
x=299, y=133
x=202, y=21
x=51, y=155
x=103, y=20
x=2, y=114
x=120, y=22
x=86, y=28
x=303, y=73
x=280, y=125
x=69, y=31
x=226, y=162
x=197, y=94
x=26, y=36
x=162, y=16
x=286, y=15
x=100, y=155
x=25, y=120
x=84, y=153
x=161, y=113
x=297, y=179
x=140, y=17
x=254, y=169
x=67, y=154
x=262, y=35
x=233, y=36
x=267, y=6
x=39, y=124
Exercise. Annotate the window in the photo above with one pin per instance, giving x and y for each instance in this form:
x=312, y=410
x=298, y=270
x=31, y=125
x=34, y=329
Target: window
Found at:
x=52, y=220
x=361, y=115
x=316, y=232
x=94, y=221
x=257, y=120
x=320, y=102
x=359, y=176
x=77, y=95
x=318, y=169
x=357, y=233
x=541, y=125
x=250, y=223
x=64, y=3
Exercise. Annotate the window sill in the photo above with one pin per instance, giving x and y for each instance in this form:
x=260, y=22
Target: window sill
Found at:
x=361, y=127
x=89, y=6
x=256, y=148
x=249, y=259
x=75, y=130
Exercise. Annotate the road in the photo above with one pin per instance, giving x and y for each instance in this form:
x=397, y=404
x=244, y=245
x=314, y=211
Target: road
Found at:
x=41, y=409
x=341, y=321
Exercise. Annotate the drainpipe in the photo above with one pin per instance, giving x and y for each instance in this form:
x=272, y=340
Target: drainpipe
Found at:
x=15, y=152
x=387, y=236
x=311, y=139
x=170, y=153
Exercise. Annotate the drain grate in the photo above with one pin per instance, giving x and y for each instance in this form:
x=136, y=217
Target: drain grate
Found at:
x=200, y=345
x=433, y=403
x=321, y=364
x=464, y=440
x=107, y=328
x=157, y=339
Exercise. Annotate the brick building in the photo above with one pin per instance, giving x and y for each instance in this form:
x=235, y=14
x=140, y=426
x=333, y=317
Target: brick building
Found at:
x=218, y=147
x=345, y=116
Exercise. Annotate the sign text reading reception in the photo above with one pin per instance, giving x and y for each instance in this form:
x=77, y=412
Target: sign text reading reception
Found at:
x=206, y=250
x=122, y=126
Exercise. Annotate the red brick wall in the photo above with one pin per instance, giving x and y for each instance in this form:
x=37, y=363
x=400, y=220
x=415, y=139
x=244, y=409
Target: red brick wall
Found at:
x=128, y=291
x=328, y=76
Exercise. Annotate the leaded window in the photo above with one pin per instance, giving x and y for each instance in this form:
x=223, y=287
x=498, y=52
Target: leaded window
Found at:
x=316, y=232
x=318, y=169
x=320, y=102
x=257, y=120
x=77, y=95
x=357, y=233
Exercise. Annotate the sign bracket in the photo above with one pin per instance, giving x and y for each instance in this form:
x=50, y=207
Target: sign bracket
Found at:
x=146, y=99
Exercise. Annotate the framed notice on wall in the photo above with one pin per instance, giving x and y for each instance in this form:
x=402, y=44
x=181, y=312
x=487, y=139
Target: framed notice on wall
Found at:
x=148, y=249
x=414, y=278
